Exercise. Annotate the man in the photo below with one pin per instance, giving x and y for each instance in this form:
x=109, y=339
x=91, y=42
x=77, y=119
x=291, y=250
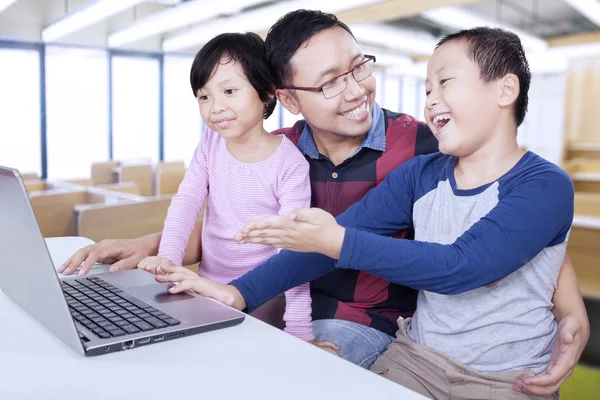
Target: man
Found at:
x=351, y=145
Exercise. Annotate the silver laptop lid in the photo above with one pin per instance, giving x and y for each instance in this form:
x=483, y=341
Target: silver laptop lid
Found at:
x=28, y=276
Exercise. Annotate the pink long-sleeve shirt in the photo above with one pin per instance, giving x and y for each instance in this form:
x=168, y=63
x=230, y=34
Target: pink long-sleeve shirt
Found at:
x=237, y=193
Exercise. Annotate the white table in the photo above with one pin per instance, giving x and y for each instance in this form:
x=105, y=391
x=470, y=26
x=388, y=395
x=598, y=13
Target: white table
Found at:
x=248, y=361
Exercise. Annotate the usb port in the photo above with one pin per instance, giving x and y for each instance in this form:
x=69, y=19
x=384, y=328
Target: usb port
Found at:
x=159, y=338
x=144, y=340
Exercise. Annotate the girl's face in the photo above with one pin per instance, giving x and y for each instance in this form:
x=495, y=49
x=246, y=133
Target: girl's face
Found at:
x=229, y=104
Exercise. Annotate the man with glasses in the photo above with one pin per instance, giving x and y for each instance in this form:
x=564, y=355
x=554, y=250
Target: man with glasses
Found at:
x=351, y=145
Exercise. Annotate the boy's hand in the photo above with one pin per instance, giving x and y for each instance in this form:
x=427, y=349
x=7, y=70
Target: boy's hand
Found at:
x=304, y=230
x=155, y=264
x=185, y=279
x=326, y=345
x=568, y=347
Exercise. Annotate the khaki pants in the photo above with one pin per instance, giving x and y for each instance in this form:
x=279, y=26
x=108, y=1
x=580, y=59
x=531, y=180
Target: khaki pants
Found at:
x=437, y=376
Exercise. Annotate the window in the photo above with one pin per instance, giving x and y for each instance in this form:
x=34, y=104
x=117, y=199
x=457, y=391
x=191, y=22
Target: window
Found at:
x=392, y=93
x=20, y=123
x=183, y=124
x=135, y=105
x=380, y=79
x=77, y=110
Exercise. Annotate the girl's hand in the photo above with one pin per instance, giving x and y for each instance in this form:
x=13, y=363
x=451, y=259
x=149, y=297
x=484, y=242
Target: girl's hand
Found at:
x=304, y=230
x=185, y=279
x=155, y=264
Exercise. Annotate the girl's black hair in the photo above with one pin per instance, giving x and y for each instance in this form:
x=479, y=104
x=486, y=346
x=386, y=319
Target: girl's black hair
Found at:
x=247, y=49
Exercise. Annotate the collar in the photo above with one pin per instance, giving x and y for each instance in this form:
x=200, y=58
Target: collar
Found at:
x=375, y=138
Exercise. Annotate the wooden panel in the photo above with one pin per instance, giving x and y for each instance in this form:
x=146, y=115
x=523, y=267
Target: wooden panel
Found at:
x=125, y=221
x=395, y=9
x=140, y=174
x=36, y=185
x=584, y=251
x=587, y=186
x=54, y=212
x=587, y=154
x=102, y=173
x=168, y=181
x=583, y=86
x=80, y=182
x=570, y=40
x=29, y=176
x=587, y=204
x=123, y=187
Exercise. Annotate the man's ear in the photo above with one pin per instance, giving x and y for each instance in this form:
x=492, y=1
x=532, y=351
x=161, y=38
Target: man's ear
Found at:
x=509, y=90
x=289, y=101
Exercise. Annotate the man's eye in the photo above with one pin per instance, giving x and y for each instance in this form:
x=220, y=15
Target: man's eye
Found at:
x=359, y=67
x=331, y=83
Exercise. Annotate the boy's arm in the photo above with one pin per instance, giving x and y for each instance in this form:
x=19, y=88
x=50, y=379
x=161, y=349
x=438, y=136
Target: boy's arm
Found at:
x=294, y=192
x=381, y=211
x=185, y=206
x=534, y=215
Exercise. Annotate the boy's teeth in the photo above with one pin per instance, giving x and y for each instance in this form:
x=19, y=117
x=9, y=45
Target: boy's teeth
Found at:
x=441, y=117
x=357, y=111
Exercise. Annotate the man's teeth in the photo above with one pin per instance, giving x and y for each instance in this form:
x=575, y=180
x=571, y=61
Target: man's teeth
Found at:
x=357, y=112
x=442, y=117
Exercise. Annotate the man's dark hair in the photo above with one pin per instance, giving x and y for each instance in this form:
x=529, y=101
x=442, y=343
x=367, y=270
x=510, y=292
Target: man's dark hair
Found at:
x=246, y=49
x=288, y=34
x=497, y=52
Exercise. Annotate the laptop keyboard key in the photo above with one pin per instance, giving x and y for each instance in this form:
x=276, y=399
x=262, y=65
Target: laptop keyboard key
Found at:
x=156, y=322
x=144, y=326
x=117, y=333
x=172, y=321
x=130, y=329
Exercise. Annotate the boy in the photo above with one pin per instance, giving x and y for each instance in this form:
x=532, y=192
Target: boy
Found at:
x=491, y=226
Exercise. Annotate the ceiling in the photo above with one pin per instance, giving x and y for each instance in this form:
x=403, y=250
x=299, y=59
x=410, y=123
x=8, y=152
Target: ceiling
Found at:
x=399, y=28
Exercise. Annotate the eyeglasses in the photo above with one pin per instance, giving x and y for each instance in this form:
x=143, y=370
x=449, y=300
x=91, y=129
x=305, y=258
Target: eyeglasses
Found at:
x=337, y=85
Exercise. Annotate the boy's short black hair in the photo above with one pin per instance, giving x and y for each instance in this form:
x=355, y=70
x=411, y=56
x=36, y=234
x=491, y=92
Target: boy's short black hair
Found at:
x=246, y=49
x=288, y=34
x=497, y=52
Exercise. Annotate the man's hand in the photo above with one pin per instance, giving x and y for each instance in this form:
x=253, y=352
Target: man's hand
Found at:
x=326, y=345
x=122, y=253
x=568, y=346
x=304, y=230
x=155, y=264
x=185, y=279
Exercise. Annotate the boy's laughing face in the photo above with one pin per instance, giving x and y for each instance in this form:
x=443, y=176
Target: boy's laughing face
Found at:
x=461, y=109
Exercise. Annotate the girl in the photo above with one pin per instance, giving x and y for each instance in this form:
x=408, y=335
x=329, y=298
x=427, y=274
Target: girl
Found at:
x=242, y=171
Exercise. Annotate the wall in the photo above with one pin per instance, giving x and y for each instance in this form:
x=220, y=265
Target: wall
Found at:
x=583, y=89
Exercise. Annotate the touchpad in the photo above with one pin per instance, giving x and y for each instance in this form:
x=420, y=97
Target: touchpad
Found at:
x=158, y=293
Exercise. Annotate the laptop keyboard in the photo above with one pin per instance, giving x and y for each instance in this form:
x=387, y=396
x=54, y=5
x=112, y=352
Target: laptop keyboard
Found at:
x=108, y=311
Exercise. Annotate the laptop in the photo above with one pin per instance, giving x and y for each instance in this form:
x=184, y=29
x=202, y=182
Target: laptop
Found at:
x=95, y=314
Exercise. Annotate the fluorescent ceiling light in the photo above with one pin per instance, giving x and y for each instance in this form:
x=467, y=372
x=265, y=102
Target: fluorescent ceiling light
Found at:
x=176, y=17
x=91, y=14
x=254, y=21
x=457, y=18
x=410, y=42
x=4, y=4
x=589, y=8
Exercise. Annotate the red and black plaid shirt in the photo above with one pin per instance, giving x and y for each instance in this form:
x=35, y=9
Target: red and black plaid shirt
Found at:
x=354, y=295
